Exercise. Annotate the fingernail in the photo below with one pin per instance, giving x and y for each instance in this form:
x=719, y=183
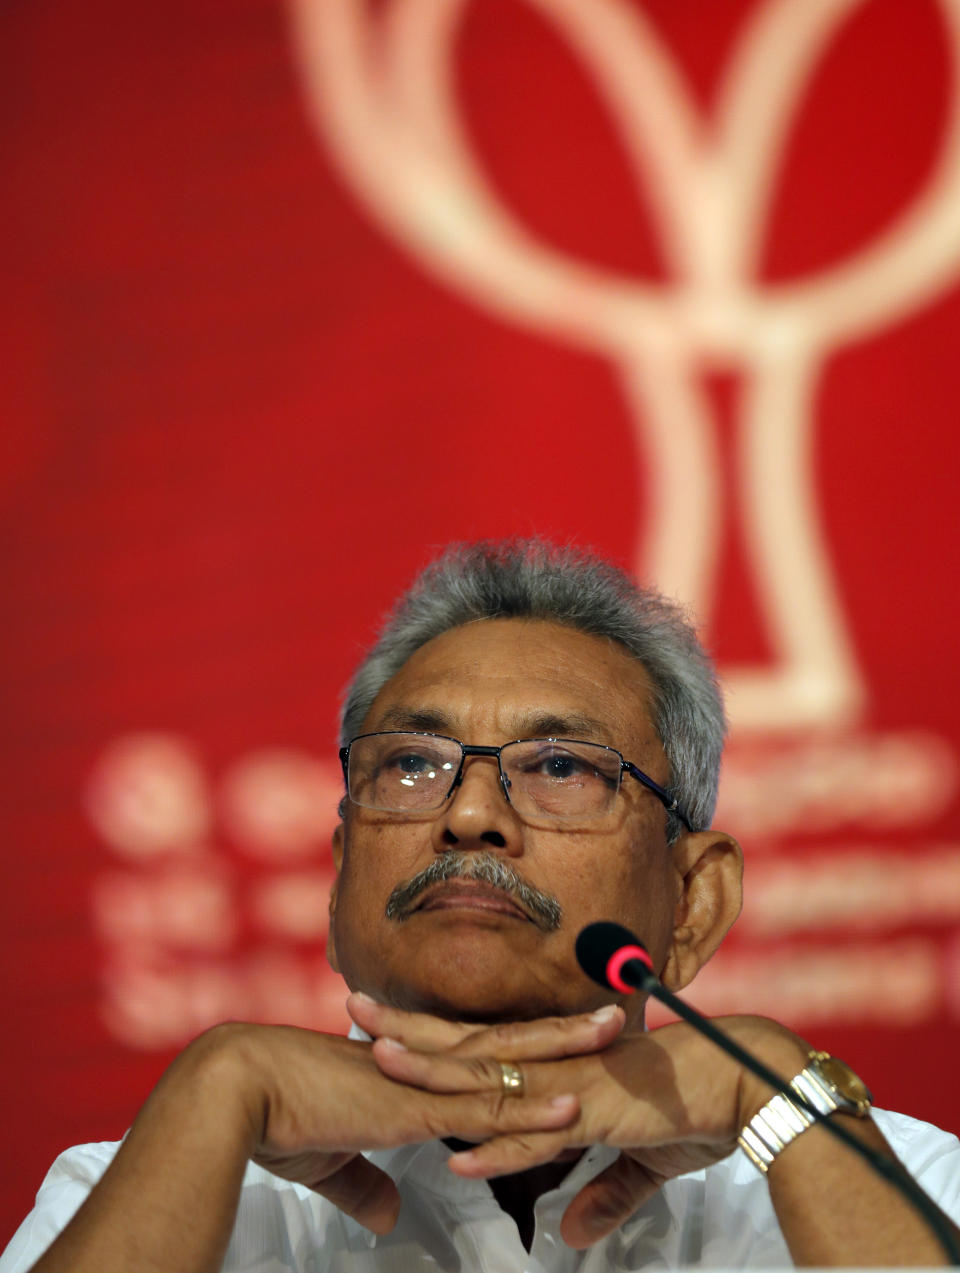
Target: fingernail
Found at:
x=358, y=996
x=563, y=1102
x=603, y=1015
x=393, y=1044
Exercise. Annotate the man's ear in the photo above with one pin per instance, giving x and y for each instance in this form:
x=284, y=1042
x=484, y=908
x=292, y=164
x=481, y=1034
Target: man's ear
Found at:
x=710, y=867
x=336, y=845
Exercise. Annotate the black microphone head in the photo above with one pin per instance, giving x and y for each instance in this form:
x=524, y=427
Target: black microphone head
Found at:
x=599, y=943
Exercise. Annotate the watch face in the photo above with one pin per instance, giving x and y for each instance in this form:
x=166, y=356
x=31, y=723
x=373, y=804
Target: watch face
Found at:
x=849, y=1086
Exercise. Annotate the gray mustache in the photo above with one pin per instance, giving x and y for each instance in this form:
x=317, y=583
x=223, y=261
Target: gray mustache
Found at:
x=545, y=911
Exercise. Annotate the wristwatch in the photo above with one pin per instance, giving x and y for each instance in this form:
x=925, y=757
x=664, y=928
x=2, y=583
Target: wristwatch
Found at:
x=826, y=1083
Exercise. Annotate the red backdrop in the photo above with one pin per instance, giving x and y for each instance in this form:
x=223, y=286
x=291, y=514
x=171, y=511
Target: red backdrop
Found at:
x=251, y=385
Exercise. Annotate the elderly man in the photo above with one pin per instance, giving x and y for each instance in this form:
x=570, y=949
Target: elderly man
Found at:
x=532, y=745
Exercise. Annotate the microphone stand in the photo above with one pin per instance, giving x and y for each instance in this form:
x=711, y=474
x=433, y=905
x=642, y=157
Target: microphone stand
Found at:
x=636, y=973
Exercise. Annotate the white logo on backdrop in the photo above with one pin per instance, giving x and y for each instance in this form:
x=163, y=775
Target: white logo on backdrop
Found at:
x=379, y=87
x=217, y=904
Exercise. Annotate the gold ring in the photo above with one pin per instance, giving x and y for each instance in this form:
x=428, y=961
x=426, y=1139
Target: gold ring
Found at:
x=511, y=1079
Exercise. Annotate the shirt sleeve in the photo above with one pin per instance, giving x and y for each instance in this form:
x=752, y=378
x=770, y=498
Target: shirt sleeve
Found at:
x=67, y=1185
x=930, y=1155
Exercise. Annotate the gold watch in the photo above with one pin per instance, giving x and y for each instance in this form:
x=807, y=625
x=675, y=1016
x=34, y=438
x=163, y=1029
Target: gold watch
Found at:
x=826, y=1083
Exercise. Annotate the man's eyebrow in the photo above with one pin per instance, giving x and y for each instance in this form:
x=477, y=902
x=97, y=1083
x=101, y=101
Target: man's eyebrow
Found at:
x=533, y=724
x=424, y=720
x=562, y=725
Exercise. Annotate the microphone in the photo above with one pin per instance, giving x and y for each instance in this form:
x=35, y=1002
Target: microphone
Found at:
x=617, y=959
x=610, y=954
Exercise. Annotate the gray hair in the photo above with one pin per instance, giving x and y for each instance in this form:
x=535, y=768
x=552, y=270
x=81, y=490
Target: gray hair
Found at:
x=531, y=578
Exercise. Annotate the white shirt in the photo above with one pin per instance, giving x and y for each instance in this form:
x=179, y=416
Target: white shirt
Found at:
x=720, y=1217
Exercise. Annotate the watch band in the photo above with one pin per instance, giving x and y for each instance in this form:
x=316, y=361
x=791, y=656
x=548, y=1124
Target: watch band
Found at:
x=772, y=1129
x=781, y=1121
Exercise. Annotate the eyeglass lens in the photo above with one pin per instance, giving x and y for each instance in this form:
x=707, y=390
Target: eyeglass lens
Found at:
x=398, y=772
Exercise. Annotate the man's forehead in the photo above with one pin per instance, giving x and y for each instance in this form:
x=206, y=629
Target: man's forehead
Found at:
x=540, y=679
x=534, y=721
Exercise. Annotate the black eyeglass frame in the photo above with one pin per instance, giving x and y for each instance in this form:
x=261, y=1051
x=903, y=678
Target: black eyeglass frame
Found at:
x=670, y=803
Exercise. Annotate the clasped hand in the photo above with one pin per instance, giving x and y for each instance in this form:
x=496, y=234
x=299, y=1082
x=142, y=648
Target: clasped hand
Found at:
x=667, y=1099
x=312, y=1104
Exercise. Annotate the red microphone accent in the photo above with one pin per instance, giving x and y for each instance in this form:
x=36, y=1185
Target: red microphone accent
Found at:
x=616, y=962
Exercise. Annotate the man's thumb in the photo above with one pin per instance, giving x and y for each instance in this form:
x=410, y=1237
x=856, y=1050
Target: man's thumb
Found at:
x=602, y=1205
x=364, y=1192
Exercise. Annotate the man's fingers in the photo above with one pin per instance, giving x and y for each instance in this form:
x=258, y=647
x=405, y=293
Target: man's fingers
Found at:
x=438, y=1071
x=364, y=1192
x=606, y=1202
x=480, y=1117
x=503, y=1155
x=547, y=1039
x=472, y=1064
x=413, y=1029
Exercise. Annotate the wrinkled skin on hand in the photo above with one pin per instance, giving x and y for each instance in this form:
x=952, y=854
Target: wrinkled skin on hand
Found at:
x=315, y=1102
x=667, y=1099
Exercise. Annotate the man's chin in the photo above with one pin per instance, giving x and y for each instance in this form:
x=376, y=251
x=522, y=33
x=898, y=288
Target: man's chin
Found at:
x=476, y=1001
x=495, y=970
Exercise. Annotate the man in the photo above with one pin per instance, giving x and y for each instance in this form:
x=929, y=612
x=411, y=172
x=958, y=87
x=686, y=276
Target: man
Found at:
x=533, y=745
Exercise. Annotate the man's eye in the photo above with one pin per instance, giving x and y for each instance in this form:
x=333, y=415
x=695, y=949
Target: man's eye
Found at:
x=411, y=763
x=563, y=766
x=560, y=766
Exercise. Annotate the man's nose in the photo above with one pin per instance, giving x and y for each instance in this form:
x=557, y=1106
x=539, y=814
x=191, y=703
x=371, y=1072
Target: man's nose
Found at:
x=477, y=813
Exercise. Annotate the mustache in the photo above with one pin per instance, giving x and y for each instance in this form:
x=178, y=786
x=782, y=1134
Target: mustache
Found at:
x=485, y=867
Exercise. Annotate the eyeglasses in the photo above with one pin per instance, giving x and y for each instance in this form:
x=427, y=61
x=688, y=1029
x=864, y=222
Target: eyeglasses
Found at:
x=543, y=779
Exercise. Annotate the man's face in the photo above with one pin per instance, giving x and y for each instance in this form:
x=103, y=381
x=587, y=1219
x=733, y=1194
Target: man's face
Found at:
x=457, y=952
